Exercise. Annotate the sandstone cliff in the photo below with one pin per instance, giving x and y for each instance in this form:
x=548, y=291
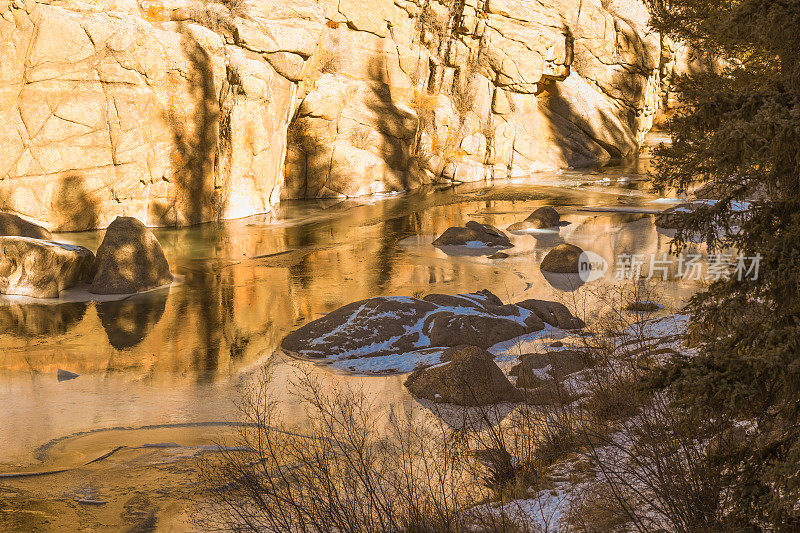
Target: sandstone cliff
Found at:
x=177, y=112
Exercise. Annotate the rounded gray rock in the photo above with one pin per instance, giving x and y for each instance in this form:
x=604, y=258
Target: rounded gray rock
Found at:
x=542, y=218
x=129, y=260
x=563, y=259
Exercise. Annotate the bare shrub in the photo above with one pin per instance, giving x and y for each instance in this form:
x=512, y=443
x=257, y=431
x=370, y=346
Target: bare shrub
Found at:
x=352, y=470
x=425, y=106
x=216, y=15
x=652, y=469
x=428, y=22
x=327, y=62
x=606, y=453
x=463, y=97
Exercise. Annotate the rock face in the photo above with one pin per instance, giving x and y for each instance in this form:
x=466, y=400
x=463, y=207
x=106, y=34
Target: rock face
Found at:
x=399, y=334
x=125, y=108
x=41, y=269
x=350, y=138
x=542, y=218
x=486, y=89
x=129, y=260
x=14, y=226
x=563, y=259
x=473, y=234
x=469, y=377
x=180, y=111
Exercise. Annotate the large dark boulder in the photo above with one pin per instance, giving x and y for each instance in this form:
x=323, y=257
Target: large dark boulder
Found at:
x=474, y=234
x=129, y=260
x=373, y=327
x=14, y=226
x=552, y=313
x=450, y=329
x=535, y=369
x=41, y=269
x=563, y=259
x=395, y=332
x=387, y=325
x=468, y=377
x=542, y=218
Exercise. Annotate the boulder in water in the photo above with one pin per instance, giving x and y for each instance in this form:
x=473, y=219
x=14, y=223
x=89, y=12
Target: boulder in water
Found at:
x=129, y=260
x=473, y=234
x=469, y=377
x=563, y=259
x=41, y=269
x=669, y=217
x=542, y=218
x=14, y=226
x=453, y=328
x=398, y=333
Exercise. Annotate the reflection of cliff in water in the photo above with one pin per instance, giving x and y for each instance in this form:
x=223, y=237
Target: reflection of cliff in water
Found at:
x=213, y=308
x=248, y=283
x=127, y=322
x=31, y=320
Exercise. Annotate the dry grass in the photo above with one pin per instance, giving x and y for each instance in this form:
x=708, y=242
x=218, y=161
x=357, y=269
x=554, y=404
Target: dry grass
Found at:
x=353, y=469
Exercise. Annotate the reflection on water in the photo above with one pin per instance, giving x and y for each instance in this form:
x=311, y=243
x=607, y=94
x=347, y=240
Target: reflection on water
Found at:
x=33, y=320
x=566, y=282
x=128, y=321
x=177, y=355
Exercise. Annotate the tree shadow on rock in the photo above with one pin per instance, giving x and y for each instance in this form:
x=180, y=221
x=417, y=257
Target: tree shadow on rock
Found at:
x=396, y=125
x=75, y=208
x=606, y=128
x=195, y=137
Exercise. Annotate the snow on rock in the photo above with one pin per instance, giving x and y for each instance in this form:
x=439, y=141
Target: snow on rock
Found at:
x=667, y=218
x=393, y=334
x=668, y=326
